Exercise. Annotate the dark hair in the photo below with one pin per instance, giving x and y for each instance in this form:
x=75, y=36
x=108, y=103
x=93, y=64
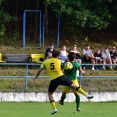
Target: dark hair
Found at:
x=106, y=48
x=51, y=44
x=71, y=56
x=87, y=45
x=55, y=54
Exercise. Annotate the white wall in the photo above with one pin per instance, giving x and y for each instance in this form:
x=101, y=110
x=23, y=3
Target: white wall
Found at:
x=43, y=97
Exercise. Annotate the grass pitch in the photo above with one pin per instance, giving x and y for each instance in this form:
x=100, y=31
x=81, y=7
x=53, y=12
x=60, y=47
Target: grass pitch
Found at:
x=36, y=109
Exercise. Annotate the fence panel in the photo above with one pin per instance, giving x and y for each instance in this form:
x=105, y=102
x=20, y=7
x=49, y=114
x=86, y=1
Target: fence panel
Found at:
x=27, y=76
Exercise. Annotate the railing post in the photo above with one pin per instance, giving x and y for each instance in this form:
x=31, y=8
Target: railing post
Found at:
x=26, y=79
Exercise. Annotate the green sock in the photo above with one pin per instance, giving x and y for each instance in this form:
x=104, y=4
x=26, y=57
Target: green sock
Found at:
x=63, y=97
x=77, y=101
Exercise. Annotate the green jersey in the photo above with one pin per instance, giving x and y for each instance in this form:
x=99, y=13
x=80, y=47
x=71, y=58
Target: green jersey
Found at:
x=72, y=74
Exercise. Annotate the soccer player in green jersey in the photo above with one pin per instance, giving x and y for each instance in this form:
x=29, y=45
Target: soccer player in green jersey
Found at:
x=53, y=67
x=72, y=75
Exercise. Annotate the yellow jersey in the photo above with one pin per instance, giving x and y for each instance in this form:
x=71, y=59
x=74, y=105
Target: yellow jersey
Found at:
x=53, y=67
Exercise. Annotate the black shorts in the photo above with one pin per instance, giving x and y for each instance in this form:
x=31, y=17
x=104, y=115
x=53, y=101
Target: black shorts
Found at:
x=78, y=56
x=62, y=80
x=85, y=60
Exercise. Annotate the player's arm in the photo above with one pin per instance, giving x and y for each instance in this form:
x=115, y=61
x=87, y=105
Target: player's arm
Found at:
x=81, y=70
x=38, y=72
x=62, y=67
x=62, y=70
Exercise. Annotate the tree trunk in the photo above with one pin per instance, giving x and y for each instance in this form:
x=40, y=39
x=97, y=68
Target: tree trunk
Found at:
x=16, y=15
x=46, y=15
x=36, y=17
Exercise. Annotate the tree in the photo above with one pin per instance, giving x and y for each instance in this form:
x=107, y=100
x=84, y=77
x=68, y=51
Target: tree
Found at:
x=4, y=18
x=85, y=13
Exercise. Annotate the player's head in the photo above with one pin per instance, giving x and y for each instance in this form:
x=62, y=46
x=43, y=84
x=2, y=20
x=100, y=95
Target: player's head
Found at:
x=55, y=54
x=72, y=56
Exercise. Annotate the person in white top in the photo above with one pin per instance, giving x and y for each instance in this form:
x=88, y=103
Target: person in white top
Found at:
x=63, y=54
x=78, y=57
x=88, y=56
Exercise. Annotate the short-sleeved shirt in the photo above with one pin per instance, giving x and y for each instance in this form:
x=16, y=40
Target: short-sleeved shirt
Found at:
x=72, y=74
x=87, y=52
x=53, y=67
x=105, y=55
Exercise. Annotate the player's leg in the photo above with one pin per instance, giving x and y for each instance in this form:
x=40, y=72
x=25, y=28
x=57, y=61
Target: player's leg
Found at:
x=52, y=102
x=63, y=96
x=67, y=82
x=80, y=90
x=66, y=90
x=52, y=87
x=75, y=82
x=78, y=103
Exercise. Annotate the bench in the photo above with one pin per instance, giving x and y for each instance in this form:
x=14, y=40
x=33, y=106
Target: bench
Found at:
x=37, y=58
x=17, y=58
x=1, y=58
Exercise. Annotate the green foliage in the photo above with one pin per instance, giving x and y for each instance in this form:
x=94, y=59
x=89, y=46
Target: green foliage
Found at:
x=5, y=17
x=85, y=13
x=2, y=29
x=1, y=1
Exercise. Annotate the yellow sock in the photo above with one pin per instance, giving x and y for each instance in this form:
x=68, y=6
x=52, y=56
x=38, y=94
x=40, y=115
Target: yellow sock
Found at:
x=82, y=91
x=53, y=104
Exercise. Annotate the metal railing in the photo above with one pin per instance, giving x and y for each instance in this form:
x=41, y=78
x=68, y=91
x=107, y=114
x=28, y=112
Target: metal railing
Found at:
x=37, y=64
x=27, y=68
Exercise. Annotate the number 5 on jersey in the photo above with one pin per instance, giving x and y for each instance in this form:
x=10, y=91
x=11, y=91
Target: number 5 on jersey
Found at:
x=52, y=66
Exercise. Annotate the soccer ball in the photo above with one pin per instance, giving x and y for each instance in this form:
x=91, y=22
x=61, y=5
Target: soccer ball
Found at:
x=68, y=66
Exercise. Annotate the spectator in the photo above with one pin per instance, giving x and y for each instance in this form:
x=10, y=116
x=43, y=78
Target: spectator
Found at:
x=113, y=55
x=98, y=59
x=48, y=53
x=88, y=56
x=63, y=54
x=79, y=60
x=106, y=58
x=78, y=57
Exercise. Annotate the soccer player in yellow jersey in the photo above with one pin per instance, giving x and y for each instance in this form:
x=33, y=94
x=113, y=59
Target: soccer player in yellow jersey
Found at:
x=53, y=67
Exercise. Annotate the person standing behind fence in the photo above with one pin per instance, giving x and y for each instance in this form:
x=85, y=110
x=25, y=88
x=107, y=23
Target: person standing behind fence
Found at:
x=106, y=58
x=113, y=55
x=88, y=56
x=48, y=53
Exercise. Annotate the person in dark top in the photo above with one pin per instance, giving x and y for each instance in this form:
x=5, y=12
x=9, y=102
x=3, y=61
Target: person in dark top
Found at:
x=113, y=55
x=78, y=57
x=98, y=59
x=48, y=53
